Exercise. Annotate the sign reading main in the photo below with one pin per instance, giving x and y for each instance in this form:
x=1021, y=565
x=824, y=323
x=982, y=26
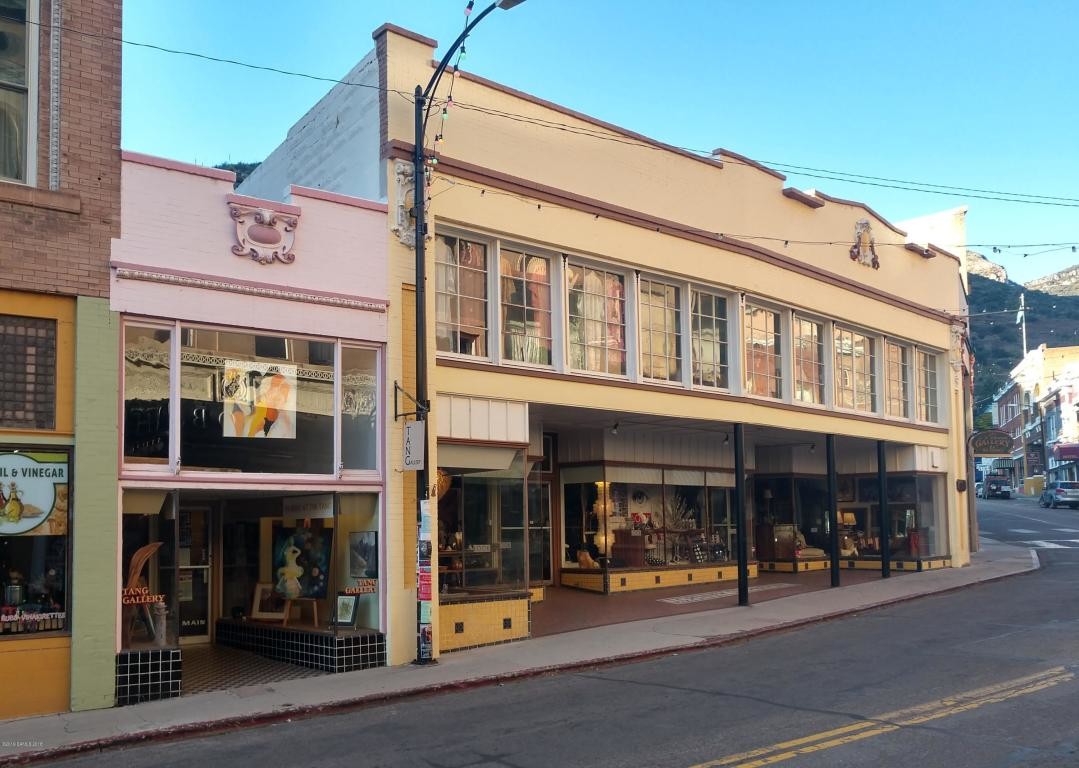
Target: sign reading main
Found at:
x=991, y=443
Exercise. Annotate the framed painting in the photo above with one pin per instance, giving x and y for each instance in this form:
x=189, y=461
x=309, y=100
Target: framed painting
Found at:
x=363, y=555
x=301, y=561
x=844, y=488
x=267, y=603
x=344, y=613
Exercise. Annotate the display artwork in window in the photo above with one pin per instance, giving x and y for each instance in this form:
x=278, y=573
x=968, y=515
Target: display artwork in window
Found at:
x=33, y=494
x=363, y=555
x=301, y=561
x=259, y=400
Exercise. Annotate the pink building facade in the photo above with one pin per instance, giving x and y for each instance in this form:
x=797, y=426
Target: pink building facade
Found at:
x=253, y=462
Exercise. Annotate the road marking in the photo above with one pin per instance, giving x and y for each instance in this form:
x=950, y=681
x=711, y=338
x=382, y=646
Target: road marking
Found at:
x=1045, y=545
x=702, y=596
x=893, y=721
x=1065, y=530
x=1024, y=530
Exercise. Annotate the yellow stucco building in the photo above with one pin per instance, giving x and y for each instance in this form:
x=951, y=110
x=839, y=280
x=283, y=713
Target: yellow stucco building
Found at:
x=608, y=318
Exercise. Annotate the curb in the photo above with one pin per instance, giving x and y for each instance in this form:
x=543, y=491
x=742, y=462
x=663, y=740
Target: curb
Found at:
x=211, y=727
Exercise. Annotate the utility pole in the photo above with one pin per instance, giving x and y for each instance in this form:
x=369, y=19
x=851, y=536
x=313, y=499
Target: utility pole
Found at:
x=1021, y=318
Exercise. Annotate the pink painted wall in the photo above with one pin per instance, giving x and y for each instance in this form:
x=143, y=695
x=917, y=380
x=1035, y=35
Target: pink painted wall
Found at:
x=176, y=223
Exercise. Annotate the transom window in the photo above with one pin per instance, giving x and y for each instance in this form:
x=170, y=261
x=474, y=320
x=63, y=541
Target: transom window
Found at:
x=27, y=372
x=897, y=359
x=460, y=296
x=927, y=386
x=597, y=319
x=14, y=90
x=808, y=361
x=709, y=337
x=764, y=352
x=661, y=332
x=526, y=307
x=855, y=379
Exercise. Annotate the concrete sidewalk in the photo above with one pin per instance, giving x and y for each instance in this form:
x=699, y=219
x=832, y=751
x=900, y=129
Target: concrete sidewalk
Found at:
x=38, y=738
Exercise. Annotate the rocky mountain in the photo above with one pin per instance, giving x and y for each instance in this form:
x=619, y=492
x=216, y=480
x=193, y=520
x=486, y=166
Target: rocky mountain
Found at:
x=1062, y=283
x=977, y=264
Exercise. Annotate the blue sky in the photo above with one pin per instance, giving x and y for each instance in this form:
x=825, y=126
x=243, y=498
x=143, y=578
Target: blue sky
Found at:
x=978, y=94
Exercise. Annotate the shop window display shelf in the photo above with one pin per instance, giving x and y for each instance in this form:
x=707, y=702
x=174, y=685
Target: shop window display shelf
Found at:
x=349, y=650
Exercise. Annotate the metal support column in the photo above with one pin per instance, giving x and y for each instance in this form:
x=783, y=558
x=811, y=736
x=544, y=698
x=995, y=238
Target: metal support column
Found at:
x=885, y=522
x=740, y=514
x=833, y=508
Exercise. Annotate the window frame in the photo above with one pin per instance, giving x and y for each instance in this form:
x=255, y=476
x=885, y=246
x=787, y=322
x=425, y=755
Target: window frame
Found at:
x=681, y=287
x=936, y=375
x=826, y=370
x=31, y=90
x=782, y=315
x=873, y=370
x=733, y=319
x=555, y=286
x=630, y=327
x=491, y=285
x=908, y=350
x=174, y=469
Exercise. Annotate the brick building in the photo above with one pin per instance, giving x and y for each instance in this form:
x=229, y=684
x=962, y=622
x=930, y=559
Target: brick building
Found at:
x=59, y=210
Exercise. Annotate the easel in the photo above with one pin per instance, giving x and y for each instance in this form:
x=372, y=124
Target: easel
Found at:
x=302, y=601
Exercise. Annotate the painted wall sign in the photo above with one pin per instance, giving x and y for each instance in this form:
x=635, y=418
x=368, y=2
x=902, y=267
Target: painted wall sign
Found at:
x=363, y=587
x=33, y=492
x=991, y=442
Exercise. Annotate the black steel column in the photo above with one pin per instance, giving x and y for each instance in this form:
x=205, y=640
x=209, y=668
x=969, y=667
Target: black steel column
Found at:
x=885, y=522
x=740, y=514
x=833, y=508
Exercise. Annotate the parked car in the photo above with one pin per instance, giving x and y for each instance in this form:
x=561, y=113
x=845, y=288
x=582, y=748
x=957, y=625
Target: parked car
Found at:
x=996, y=486
x=1060, y=493
x=978, y=489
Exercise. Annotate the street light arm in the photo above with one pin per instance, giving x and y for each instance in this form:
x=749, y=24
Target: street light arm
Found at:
x=432, y=84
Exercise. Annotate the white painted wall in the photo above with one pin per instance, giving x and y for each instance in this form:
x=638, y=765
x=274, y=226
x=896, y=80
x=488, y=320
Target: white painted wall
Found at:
x=335, y=146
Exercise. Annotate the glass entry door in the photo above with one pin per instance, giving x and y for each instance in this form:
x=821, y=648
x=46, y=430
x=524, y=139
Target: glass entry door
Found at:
x=193, y=574
x=539, y=533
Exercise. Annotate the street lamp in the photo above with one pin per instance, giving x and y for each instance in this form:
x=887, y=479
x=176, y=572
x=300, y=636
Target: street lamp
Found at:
x=423, y=404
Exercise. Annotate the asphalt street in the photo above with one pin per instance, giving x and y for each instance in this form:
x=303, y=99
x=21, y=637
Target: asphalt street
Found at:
x=979, y=677
x=1021, y=521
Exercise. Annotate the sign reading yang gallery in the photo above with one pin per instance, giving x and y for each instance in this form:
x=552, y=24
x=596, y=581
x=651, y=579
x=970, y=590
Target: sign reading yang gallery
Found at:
x=991, y=443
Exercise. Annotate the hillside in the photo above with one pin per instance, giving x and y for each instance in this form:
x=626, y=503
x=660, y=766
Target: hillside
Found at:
x=1062, y=283
x=1051, y=320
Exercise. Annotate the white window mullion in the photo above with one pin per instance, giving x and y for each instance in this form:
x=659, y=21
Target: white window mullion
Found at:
x=338, y=460
x=175, y=459
x=686, y=322
x=494, y=306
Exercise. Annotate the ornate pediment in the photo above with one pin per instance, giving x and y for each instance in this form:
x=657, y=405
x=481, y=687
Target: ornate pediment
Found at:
x=262, y=234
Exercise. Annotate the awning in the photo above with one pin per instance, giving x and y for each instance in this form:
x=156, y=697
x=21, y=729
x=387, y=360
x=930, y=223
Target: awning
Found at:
x=1003, y=463
x=475, y=458
x=1066, y=451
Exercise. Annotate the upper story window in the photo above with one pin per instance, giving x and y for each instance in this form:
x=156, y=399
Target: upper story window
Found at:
x=855, y=371
x=897, y=363
x=927, y=386
x=597, y=319
x=808, y=361
x=709, y=337
x=460, y=296
x=661, y=335
x=14, y=90
x=526, y=307
x=764, y=352
x=27, y=372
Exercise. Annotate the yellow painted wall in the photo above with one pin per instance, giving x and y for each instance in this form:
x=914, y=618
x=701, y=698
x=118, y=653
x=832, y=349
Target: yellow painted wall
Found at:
x=36, y=676
x=482, y=623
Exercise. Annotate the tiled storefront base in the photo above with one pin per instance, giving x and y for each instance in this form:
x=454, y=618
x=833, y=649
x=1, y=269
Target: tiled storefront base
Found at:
x=306, y=647
x=475, y=620
x=147, y=675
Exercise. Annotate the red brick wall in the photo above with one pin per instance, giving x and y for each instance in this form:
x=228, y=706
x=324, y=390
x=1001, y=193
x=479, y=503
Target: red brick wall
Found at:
x=58, y=242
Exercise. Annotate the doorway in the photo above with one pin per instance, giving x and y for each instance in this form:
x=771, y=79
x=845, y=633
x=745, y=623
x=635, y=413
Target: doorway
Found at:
x=194, y=573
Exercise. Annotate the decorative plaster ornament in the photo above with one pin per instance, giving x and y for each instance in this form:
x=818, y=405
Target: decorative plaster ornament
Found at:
x=864, y=250
x=263, y=235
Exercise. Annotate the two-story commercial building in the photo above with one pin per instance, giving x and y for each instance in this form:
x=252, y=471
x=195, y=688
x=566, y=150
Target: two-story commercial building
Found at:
x=610, y=318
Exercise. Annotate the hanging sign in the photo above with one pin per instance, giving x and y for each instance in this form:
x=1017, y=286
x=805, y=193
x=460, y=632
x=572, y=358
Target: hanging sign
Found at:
x=991, y=442
x=33, y=491
x=415, y=435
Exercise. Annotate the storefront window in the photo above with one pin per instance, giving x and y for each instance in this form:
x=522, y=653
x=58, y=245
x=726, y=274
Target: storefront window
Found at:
x=356, y=565
x=855, y=371
x=147, y=353
x=481, y=531
x=359, y=408
x=539, y=532
x=638, y=526
x=253, y=403
x=33, y=541
x=149, y=613
x=808, y=361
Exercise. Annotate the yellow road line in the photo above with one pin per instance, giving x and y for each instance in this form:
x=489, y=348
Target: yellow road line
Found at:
x=892, y=721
